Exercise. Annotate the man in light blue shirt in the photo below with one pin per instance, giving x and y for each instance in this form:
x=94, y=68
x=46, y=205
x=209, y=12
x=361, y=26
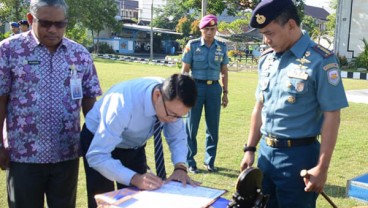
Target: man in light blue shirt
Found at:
x=120, y=123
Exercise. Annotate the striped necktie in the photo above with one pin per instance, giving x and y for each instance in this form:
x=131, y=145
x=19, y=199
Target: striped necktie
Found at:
x=159, y=154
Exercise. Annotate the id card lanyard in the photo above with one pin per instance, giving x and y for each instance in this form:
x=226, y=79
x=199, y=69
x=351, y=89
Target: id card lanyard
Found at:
x=75, y=84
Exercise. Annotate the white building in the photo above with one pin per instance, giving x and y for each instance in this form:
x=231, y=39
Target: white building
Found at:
x=145, y=8
x=351, y=27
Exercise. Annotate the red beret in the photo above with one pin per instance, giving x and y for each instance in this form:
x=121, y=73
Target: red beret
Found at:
x=208, y=20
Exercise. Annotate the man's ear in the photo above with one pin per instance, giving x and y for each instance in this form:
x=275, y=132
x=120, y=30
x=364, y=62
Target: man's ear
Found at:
x=292, y=24
x=156, y=94
x=30, y=18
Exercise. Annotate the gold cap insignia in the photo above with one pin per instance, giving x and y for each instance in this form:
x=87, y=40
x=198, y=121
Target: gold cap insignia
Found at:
x=260, y=19
x=212, y=22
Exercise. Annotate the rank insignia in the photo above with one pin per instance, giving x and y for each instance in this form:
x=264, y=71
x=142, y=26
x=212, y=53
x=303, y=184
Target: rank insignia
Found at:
x=198, y=51
x=260, y=19
x=322, y=50
x=333, y=77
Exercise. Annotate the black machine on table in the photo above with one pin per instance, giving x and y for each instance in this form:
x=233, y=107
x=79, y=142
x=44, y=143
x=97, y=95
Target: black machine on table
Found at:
x=248, y=190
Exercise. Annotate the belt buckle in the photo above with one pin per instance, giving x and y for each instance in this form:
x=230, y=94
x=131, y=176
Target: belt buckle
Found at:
x=209, y=82
x=289, y=143
x=269, y=141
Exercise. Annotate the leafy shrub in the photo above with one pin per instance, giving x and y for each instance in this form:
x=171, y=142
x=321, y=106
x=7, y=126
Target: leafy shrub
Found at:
x=342, y=60
x=362, y=59
x=235, y=53
x=105, y=48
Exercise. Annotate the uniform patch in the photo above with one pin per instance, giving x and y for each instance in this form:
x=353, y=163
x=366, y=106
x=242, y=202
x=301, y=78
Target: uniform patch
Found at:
x=330, y=66
x=333, y=76
x=323, y=51
x=187, y=49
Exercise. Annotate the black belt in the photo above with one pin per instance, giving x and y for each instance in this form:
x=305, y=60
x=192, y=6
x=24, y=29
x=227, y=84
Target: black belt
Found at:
x=208, y=82
x=279, y=143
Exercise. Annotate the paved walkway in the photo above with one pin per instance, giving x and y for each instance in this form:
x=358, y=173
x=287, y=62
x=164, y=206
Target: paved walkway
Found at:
x=357, y=96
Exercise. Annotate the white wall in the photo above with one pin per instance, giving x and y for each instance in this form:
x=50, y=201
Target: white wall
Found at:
x=145, y=8
x=351, y=27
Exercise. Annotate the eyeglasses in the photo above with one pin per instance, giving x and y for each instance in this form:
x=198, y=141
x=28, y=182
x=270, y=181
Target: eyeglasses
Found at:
x=167, y=113
x=48, y=24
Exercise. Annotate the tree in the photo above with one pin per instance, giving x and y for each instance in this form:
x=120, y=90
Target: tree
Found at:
x=95, y=15
x=169, y=15
x=236, y=27
x=13, y=10
x=331, y=24
x=79, y=34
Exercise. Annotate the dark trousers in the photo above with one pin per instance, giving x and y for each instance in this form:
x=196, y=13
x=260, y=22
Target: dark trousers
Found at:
x=209, y=97
x=28, y=184
x=281, y=174
x=134, y=159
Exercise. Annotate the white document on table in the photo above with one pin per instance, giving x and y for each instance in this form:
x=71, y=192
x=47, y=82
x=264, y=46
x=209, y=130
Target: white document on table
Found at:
x=174, y=195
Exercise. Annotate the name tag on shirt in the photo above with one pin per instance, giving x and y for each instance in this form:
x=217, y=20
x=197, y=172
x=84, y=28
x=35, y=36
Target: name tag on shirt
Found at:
x=33, y=62
x=298, y=74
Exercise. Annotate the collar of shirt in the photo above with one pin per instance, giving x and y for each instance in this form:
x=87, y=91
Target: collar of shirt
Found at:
x=149, y=109
x=301, y=46
x=214, y=42
x=34, y=42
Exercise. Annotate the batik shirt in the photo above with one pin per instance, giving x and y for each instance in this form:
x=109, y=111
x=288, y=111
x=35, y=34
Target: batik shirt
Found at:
x=43, y=121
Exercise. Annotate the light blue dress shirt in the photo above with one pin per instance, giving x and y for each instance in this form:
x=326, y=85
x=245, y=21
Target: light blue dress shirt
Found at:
x=124, y=118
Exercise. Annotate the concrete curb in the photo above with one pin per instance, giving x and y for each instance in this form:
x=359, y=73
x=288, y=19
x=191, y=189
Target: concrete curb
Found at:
x=354, y=75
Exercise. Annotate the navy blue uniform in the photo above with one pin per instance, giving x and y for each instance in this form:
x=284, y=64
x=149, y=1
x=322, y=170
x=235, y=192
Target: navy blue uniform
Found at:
x=206, y=63
x=295, y=87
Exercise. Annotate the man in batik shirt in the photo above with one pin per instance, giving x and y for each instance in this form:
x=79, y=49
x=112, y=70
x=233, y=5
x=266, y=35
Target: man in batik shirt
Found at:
x=45, y=80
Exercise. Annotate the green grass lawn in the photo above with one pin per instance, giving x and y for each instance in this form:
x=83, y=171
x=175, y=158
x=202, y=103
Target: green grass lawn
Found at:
x=349, y=159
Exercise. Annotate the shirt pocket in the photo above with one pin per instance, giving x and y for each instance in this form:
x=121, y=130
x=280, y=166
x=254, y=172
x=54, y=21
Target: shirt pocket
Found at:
x=199, y=61
x=264, y=80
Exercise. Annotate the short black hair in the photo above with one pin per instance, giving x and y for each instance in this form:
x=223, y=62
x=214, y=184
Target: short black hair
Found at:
x=182, y=87
x=289, y=13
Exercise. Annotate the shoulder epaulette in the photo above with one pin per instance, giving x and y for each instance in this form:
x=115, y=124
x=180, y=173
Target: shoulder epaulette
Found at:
x=220, y=42
x=323, y=51
x=195, y=40
x=267, y=51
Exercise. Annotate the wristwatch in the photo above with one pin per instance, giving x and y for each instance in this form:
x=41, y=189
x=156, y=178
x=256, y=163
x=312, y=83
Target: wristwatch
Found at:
x=249, y=148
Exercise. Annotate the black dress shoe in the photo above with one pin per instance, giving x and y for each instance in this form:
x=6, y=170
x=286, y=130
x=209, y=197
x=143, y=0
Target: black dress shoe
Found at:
x=210, y=168
x=193, y=169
